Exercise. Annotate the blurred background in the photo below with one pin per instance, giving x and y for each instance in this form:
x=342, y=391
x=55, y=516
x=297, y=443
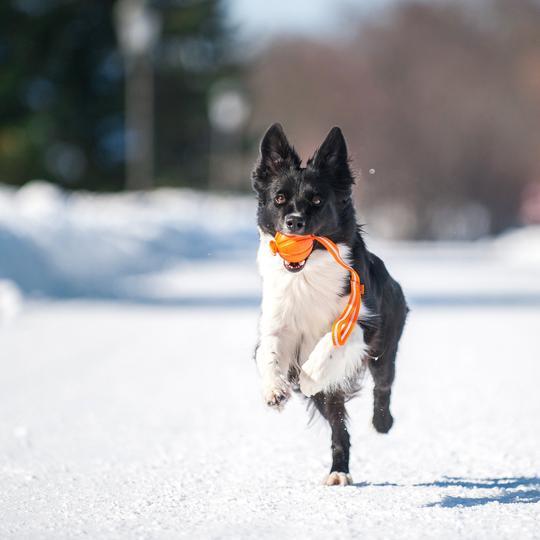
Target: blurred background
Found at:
x=129, y=294
x=128, y=128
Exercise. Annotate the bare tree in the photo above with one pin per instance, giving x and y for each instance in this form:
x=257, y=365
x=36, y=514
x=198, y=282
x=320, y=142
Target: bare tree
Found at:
x=440, y=102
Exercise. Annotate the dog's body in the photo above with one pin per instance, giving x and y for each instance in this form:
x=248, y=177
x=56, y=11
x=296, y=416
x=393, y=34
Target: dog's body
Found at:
x=301, y=300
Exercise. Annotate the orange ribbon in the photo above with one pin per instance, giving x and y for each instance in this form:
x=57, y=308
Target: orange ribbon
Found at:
x=297, y=248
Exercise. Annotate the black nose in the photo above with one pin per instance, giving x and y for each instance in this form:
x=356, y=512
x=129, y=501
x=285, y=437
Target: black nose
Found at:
x=294, y=223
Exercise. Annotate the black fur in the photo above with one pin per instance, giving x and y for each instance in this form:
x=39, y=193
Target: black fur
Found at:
x=287, y=190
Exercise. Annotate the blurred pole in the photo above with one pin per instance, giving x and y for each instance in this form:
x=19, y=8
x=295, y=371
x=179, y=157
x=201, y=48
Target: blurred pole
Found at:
x=138, y=30
x=228, y=111
x=140, y=126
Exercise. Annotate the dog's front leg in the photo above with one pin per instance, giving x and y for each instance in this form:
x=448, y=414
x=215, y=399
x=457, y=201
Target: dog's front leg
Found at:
x=328, y=367
x=273, y=358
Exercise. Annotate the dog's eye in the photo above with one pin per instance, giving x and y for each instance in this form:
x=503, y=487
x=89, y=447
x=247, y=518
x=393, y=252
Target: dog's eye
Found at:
x=316, y=200
x=280, y=198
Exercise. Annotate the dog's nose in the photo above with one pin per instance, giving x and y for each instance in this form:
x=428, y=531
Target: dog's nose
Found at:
x=294, y=223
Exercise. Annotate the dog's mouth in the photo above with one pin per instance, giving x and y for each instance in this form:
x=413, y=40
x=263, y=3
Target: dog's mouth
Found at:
x=294, y=266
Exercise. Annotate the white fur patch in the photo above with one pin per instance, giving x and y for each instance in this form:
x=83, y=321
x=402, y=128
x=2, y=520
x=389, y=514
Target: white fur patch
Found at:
x=298, y=310
x=328, y=366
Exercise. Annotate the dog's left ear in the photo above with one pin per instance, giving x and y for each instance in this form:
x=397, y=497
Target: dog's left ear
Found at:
x=332, y=152
x=332, y=160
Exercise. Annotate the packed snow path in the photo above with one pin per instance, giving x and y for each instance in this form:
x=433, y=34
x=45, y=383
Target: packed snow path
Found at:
x=133, y=421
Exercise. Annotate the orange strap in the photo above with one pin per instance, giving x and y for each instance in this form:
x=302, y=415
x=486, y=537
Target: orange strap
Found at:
x=290, y=247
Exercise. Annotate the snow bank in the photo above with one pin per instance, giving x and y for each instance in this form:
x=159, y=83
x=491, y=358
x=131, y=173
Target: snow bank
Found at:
x=57, y=244
x=180, y=245
x=10, y=301
x=522, y=245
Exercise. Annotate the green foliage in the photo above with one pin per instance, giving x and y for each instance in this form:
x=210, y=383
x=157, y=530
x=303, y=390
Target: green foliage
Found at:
x=62, y=91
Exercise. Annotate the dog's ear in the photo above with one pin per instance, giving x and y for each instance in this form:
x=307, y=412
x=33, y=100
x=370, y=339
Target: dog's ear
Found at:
x=332, y=152
x=275, y=150
x=332, y=161
x=275, y=155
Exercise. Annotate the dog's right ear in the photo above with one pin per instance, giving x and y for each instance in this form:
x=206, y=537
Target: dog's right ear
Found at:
x=275, y=155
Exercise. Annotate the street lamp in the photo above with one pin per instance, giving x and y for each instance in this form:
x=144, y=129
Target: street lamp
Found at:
x=138, y=28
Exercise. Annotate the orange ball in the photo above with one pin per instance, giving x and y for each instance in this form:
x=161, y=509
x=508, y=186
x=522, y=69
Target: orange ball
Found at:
x=292, y=248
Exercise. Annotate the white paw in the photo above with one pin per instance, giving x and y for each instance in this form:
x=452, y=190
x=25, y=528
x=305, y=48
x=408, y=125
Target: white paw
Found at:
x=276, y=396
x=338, y=479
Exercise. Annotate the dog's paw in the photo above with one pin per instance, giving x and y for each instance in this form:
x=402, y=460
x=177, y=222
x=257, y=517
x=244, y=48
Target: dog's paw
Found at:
x=382, y=421
x=338, y=479
x=277, y=396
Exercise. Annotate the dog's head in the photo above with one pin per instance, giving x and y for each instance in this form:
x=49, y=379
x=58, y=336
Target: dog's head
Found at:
x=297, y=200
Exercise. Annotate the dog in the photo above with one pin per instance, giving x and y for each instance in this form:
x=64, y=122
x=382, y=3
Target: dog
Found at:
x=301, y=300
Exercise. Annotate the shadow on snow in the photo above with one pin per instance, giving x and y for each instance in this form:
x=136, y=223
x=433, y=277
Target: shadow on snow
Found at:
x=515, y=490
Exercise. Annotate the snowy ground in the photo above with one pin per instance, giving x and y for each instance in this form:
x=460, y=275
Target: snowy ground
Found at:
x=141, y=417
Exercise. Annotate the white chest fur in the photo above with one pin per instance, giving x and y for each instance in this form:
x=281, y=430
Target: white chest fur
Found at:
x=298, y=310
x=301, y=306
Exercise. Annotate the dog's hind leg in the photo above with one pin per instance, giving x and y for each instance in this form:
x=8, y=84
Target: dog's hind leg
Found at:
x=383, y=372
x=332, y=407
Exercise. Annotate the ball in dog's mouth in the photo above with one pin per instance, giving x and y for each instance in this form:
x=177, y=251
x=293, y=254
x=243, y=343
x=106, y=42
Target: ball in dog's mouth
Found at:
x=294, y=266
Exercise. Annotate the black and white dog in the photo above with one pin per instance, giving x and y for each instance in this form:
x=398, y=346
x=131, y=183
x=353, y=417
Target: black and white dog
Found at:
x=301, y=300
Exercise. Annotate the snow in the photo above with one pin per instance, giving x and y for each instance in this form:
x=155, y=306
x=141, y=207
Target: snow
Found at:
x=72, y=245
x=141, y=417
x=143, y=421
x=10, y=301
